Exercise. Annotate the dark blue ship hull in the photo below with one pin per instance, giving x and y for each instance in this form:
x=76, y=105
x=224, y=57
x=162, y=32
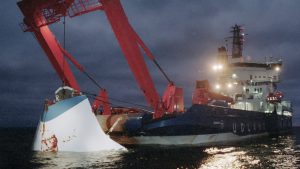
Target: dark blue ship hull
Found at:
x=204, y=120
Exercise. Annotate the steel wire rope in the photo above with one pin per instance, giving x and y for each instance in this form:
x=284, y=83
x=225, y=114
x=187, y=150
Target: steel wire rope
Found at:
x=117, y=100
x=117, y=105
x=64, y=46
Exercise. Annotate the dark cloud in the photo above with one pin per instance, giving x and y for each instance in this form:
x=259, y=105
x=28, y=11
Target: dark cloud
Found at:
x=183, y=35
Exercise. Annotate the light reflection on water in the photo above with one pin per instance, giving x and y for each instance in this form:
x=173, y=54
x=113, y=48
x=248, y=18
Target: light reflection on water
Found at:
x=103, y=159
x=277, y=152
x=228, y=158
x=282, y=152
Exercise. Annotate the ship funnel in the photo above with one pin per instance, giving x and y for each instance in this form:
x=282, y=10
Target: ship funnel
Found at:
x=68, y=124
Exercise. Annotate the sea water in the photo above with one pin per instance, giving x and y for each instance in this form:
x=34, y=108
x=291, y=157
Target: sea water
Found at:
x=268, y=152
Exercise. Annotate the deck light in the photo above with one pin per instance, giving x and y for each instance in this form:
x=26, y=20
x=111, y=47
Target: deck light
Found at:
x=218, y=86
x=217, y=67
x=220, y=67
x=229, y=85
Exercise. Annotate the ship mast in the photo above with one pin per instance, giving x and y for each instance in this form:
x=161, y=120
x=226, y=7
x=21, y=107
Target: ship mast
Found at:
x=237, y=42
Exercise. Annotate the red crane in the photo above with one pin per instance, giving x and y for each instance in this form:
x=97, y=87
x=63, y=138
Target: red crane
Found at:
x=38, y=14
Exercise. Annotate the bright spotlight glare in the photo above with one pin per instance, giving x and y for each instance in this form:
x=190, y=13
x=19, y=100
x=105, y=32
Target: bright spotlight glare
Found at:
x=234, y=75
x=220, y=67
x=217, y=67
x=277, y=68
x=218, y=86
x=229, y=85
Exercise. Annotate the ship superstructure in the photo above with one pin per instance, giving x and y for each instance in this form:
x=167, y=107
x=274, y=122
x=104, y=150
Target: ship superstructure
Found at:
x=251, y=84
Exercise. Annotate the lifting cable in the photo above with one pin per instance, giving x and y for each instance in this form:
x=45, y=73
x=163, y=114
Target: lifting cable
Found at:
x=117, y=100
x=64, y=56
x=116, y=105
x=162, y=71
x=149, y=54
x=104, y=101
x=64, y=46
x=92, y=79
x=87, y=74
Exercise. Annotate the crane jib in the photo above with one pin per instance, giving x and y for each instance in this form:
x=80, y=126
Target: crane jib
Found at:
x=39, y=14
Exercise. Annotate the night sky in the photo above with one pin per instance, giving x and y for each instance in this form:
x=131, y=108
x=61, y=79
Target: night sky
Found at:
x=183, y=35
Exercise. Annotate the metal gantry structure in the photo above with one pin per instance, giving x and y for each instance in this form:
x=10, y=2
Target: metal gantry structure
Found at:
x=39, y=14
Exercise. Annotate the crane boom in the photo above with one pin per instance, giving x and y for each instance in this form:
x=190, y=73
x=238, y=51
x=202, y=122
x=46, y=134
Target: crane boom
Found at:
x=40, y=13
x=131, y=50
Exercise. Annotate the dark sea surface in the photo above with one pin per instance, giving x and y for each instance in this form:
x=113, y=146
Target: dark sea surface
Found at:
x=268, y=152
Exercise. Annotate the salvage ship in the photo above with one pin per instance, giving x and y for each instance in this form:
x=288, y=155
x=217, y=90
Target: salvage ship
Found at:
x=244, y=103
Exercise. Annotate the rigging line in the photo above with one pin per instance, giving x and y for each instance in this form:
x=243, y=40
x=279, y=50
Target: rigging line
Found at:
x=162, y=71
x=79, y=67
x=120, y=105
x=149, y=54
x=105, y=101
x=92, y=79
x=117, y=100
x=70, y=58
x=117, y=105
x=64, y=46
x=64, y=22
